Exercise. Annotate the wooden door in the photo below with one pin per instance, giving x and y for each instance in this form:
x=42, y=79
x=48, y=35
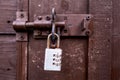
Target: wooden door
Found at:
x=7, y=40
x=116, y=42
x=75, y=49
x=94, y=58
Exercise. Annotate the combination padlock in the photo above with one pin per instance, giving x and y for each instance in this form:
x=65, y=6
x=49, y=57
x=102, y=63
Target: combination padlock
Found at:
x=53, y=56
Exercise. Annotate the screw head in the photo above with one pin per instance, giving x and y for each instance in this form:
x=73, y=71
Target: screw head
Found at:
x=48, y=18
x=22, y=37
x=87, y=33
x=39, y=17
x=88, y=18
x=21, y=15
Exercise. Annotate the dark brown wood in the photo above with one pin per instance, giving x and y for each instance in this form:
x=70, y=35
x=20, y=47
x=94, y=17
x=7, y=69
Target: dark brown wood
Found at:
x=99, y=67
x=7, y=15
x=7, y=57
x=22, y=5
x=7, y=40
x=41, y=7
x=8, y=52
x=22, y=60
x=22, y=55
x=116, y=41
x=116, y=58
x=116, y=17
x=74, y=49
x=74, y=64
x=22, y=45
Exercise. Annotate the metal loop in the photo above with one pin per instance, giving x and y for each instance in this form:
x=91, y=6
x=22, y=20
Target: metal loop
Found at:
x=53, y=28
x=58, y=40
x=53, y=14
x=53, y=24
x=53, y=20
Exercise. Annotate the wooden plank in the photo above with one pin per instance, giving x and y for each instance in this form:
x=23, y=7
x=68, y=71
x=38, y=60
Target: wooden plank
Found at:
x=74, y=62
x=7, y=40
x=116, y=17
x=37, y=47
x=116, y=58
x=7, y=15
x=38, y=7
x=116, y=41
x=22, y=5
x=7, y=57
x=22, y=46
x=100, y=42
x=8, y=10
x=22, y=61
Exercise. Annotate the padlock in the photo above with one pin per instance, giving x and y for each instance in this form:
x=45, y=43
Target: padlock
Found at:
x=53, y=56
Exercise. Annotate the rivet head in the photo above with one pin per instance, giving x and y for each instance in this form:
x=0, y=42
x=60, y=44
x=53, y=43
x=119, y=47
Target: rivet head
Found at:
x=48, y=18
x=21, y=15
x=39, y=17
x=88, y=18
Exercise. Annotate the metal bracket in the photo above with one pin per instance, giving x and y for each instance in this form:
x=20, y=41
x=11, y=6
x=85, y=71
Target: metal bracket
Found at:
x=19, y=24
x=21, y=37
x=69, y=24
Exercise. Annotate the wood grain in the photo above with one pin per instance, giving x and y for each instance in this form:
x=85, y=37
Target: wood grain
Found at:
x=116, y=58
x=7, y=57
x=100, y=42
x=74, y=62
x=8, y=52
x=116, y=41
x=7, y=15
x=42, y=7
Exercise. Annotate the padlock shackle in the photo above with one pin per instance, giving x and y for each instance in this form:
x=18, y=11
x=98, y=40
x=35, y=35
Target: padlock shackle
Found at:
x=58, y=40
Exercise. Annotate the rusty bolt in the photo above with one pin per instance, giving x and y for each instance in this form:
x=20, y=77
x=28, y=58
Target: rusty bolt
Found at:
x=88, y=18
x=65, y=31
x=21, y=15
x=39, y=17
x=87, y=33
x=39, y=33
x=48, y=18
x=21, y=37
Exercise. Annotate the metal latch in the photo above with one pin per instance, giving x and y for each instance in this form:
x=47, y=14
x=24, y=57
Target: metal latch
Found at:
x=66, y=24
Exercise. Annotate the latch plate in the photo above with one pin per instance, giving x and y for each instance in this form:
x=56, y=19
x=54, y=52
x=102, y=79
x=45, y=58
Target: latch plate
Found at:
x=69, y=24
x=75, y=25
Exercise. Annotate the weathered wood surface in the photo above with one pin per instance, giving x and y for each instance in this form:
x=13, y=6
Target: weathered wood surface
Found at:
x=22, y=60
x=116, y=18
x=40, y=7
x=116, y=58
x=7, y=15
x=7, y=40
x=8, y=46
x=116, y=41
x=100, y=42
x=7, y=57
x=72, y=67
x=74, y=63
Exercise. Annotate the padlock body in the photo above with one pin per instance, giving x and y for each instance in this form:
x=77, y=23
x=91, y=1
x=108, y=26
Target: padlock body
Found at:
x=52, y=60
